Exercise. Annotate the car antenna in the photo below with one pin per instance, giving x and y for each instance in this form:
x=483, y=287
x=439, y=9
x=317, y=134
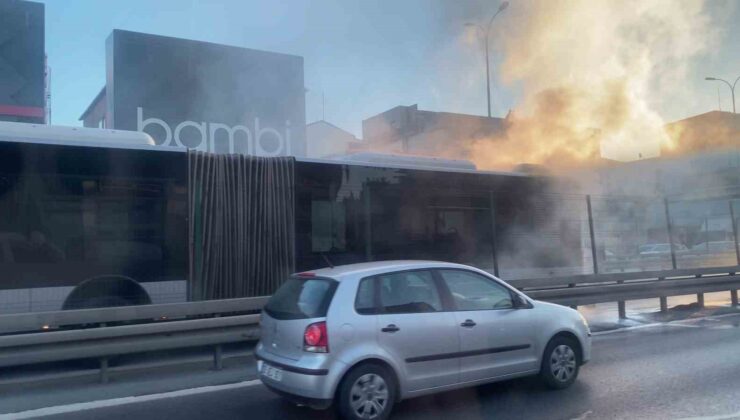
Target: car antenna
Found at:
x=328, y=262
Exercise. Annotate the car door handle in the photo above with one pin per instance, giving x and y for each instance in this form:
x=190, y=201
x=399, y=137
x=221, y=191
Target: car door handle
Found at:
x=391, y=328
x=469, y=323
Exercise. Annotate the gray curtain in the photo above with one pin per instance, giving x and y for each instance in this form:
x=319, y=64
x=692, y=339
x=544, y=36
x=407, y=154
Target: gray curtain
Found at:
x=241, y=224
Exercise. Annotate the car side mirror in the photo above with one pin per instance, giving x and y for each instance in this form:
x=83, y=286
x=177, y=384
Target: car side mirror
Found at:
x=520, y=302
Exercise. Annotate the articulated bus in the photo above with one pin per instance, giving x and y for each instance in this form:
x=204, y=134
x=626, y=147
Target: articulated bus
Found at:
x=94, y=218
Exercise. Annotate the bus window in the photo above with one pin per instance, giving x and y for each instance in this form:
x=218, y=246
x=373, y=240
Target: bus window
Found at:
x=63, y=223
x=328, y=221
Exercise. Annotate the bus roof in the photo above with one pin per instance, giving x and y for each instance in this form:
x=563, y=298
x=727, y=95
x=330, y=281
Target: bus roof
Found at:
x=123, y=139
x=409, y=164
x=75, y=136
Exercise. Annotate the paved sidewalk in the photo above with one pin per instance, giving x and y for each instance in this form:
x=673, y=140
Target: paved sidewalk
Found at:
x=604, y=316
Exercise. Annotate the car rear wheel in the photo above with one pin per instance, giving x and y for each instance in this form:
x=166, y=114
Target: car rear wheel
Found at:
x=560, y=363
x=367, y=392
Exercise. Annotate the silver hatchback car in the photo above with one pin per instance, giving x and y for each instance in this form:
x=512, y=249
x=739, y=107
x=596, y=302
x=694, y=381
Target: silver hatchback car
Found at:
x=366, y=335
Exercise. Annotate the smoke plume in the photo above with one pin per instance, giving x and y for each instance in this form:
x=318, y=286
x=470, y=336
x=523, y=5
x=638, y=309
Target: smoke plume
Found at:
x=594, y=74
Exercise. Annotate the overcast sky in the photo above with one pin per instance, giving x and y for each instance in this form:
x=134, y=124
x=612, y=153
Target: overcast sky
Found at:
x=364, y=56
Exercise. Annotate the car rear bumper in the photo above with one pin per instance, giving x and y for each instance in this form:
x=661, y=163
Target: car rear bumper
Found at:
x=314, y=385
x=318, y=404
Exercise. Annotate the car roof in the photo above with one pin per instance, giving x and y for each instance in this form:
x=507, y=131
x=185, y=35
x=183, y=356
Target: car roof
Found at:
x=378, y=267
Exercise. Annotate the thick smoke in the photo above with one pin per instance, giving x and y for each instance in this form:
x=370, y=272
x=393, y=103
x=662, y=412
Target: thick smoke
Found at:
x=594, y=75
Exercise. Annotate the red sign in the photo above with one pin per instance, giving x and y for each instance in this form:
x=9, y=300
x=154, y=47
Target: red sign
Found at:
x=22, y=111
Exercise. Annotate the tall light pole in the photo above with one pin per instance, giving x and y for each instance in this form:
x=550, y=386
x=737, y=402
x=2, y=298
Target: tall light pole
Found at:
x=486, y=32
x=731, y=86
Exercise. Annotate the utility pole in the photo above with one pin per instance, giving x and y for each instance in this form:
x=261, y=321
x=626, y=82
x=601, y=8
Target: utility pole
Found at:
x=731, y=86
x=719, y=101
x=486, y=32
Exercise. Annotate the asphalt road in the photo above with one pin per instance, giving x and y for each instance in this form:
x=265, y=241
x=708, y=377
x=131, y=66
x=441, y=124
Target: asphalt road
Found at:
x=680, y=370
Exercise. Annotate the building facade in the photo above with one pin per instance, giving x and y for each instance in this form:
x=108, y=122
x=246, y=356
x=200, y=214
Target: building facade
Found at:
x=202, y=96
x=407, y=129
x=324, y=139
x=22, y=62
x=702, y=133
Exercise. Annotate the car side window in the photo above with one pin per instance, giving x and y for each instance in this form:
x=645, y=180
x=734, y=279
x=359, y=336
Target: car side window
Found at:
x=473, y=292
x=409, y=292
x=365, y=299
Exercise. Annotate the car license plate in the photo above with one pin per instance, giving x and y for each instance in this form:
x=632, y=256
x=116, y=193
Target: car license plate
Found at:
x=276, y=374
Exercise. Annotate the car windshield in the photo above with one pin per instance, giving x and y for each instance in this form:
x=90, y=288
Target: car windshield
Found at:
x=208, y=207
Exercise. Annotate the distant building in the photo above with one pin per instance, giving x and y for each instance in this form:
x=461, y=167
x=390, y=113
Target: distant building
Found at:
x=406, y=129
x=630, y=201
x=700, y=133
x=96, y=113
x=697, y=175
x=22, y=62
x=201, y=95
x=695, y=181
x=702, y=159
x=324, y=139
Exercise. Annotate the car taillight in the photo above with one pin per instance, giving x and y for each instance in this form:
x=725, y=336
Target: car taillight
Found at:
x=315, y=339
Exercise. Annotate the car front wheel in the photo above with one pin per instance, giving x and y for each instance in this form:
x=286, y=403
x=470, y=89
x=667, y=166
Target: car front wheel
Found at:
x=560, y=363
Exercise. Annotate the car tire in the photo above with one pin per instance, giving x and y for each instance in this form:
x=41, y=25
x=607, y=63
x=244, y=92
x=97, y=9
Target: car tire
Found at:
x=560, y=363
x=368, y=387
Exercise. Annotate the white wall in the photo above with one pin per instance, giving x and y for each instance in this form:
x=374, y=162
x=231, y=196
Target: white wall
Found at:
x=324, y=139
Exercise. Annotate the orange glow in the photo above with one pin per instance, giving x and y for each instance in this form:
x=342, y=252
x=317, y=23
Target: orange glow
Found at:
x=594, y=74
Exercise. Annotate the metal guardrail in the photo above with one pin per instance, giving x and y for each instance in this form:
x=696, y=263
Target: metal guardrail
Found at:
x=88, y=333
x=639, y=290
x=621, y=287
x=616, y=277
x=44, y=320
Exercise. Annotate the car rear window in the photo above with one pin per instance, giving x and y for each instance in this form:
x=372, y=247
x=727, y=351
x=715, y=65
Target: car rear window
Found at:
x=300, y=298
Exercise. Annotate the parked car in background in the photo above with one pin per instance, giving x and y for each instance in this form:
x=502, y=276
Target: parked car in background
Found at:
x=660, y=250
x=365, y=336
x=714, y=247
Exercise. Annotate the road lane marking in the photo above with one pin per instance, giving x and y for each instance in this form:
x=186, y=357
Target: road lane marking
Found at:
x=634, y=327
x=72, y=408
x=684, y=325
x=722, y=315
x=583, y=416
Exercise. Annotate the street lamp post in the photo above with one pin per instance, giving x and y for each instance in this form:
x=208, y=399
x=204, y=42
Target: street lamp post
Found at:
x=486, y=32
x=731, y=86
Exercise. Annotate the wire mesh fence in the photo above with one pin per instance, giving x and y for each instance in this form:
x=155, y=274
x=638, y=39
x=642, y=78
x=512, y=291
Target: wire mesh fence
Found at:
x=548, y=237
x=582, y=234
